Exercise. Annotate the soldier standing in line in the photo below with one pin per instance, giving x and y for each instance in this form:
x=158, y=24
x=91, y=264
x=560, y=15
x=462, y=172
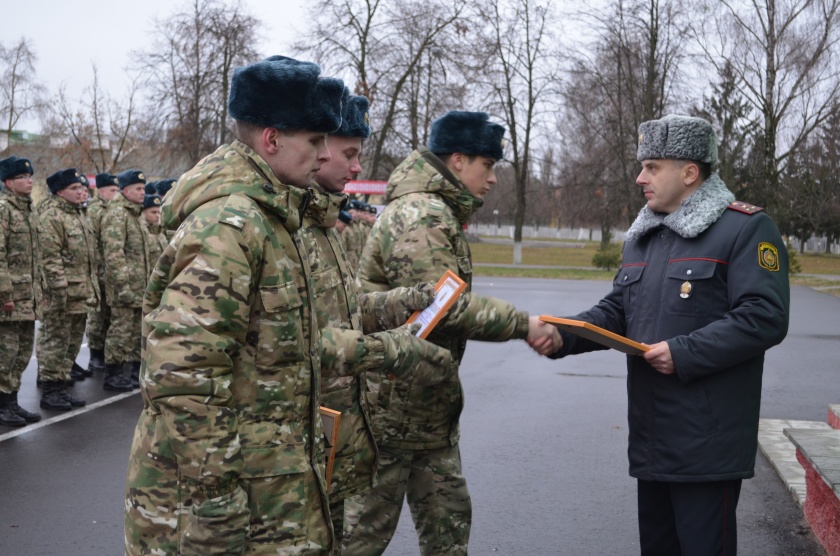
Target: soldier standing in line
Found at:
x=126, y=273
x=163, y=187
x=69, y=285
x=18, y=267
x=228, y=454
x=99, y=318
x=155, y=240
x=418, y=237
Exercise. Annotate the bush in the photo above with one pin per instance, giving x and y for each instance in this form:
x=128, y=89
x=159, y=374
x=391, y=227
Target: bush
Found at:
x=794, y=266
x=607, y=257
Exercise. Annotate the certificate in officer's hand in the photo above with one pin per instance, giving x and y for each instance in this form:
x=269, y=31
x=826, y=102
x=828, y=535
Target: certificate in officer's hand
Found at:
x=597, y=334
x=447, y=290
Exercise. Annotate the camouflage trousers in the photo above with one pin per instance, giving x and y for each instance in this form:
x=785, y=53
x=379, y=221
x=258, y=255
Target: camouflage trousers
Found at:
x=437, y=496
x=98, y=321
x=16, y=339
x=59, y=340
x=122, y=343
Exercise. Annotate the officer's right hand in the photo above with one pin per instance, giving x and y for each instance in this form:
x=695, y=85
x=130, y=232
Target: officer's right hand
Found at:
x=408, y=356
x=126, y=297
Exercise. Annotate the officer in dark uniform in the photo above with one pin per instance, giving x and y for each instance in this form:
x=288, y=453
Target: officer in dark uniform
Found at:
x=704, y=282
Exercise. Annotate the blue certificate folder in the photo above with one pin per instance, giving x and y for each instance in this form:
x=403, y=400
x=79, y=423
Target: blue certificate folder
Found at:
x=597, y=334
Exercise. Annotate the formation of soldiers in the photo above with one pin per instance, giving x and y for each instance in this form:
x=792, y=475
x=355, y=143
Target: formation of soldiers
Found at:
x=78, y=263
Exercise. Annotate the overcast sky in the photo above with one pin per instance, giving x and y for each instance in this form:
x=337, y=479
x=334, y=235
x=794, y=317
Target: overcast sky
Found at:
x=70, y=36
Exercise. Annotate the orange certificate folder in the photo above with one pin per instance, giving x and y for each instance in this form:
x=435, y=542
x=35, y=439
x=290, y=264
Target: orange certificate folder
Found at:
x=597, y=334
x=331, y=420
x=447, y=290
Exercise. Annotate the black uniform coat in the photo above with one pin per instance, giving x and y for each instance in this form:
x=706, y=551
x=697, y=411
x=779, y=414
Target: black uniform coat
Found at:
x=700, y=424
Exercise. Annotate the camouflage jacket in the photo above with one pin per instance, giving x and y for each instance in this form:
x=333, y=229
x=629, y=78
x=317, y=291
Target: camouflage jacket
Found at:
x=18, y=256
x=228, y=454
x=124, y=253
x=154, y=242
x=418, y=237
x=95, y=211
x=68, y=257
x=353, y=239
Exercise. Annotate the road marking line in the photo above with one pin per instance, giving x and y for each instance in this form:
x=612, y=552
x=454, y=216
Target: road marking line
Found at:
x=68, y=415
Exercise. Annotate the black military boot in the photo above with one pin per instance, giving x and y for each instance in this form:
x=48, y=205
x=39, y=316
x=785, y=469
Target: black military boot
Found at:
x=51, y=397
x=7, y=415
x=114, y=379
x=77, y=374
x=134, y=373
x=75, y=402
x=28, y=416
x=97, y=361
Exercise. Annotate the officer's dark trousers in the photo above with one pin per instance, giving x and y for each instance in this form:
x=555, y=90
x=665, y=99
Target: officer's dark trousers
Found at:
x=688, y=519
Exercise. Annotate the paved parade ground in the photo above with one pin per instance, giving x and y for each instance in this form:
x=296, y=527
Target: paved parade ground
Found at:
x=543, y=446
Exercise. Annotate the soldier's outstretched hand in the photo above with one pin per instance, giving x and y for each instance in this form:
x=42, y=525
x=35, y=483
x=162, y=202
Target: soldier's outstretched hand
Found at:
x=543, y=338
x=410, y=357
x=392, y=308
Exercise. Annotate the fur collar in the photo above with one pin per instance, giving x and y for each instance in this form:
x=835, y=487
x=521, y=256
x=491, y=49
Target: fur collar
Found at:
x=696, y=213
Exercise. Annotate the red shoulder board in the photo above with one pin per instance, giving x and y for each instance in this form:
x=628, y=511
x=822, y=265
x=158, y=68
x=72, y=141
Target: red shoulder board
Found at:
x=746, y=208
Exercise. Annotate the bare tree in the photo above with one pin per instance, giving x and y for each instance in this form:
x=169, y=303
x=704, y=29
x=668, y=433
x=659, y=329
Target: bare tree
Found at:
x=188, y=72
x=520, y=64
x=20, y=92
x=783, y=53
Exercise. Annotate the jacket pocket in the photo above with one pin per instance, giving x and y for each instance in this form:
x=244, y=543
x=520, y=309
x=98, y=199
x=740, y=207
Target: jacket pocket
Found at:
x=77, y=289
x=280, y=329
x=22, y=287
x=690, y=289
x=217, y=526
x=628, y=279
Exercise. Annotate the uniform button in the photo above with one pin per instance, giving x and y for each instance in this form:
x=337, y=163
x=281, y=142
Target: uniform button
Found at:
x=688, y=272
x=268, y=188
x=625, y=277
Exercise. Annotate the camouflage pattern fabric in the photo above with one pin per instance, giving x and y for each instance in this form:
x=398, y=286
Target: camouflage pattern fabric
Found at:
x=122, y=343
x=228, y=453
x=68, y=258
x=124, y=254
x=99, y=317
x=59, y=340
x=19, y=256
x=353, y=238
x=441, y=510
x=16, y=339
x=417, y=238
x=154, y=242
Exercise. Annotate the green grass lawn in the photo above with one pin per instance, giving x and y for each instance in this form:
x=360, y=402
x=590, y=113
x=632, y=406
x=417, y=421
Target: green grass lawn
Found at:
x=581, y=256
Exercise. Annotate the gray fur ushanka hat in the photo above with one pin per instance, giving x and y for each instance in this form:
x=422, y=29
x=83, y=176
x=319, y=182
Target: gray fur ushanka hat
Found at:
x=678, y=137
x=354, y=116
x=284, y=93
x=469, y=133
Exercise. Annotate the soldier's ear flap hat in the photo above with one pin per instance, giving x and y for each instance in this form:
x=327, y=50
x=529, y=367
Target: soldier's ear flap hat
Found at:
x=105, y=180
x=284, y=93
x=164, y=186
x=354, y=116
x=83, y=180
x=678, y=137
x=63, y=178
x=151, y=188
x=130, y=177
x=345, y=217
x=469, y=133
x=151, y=201
x=15, y=166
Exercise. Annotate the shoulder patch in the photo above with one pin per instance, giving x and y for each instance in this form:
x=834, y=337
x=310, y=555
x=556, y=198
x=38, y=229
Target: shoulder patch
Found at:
x=768, y=256
x=746, y=208
x=236, y=211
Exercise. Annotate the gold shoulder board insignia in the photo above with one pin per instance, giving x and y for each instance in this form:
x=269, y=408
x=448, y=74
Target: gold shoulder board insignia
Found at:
x=746, y=208
x=768, y=256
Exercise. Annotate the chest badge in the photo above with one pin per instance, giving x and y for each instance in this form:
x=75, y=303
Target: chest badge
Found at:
x=685, y=290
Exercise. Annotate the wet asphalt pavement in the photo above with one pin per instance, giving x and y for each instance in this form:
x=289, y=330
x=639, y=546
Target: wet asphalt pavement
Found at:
x=543, y=447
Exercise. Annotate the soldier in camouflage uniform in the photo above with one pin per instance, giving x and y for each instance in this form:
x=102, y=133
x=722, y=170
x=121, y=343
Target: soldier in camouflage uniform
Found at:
x=69, y=283
x=99, y=318
x=18, y=264
x=419, y=236
x=353, y=237
x=126, y=273
x=154, y=239
x=228, y=454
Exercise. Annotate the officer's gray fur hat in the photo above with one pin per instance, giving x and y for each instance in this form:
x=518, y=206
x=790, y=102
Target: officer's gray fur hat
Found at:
x=469, y=133
x=678, y=137
x=354, y=116
x=284, y=93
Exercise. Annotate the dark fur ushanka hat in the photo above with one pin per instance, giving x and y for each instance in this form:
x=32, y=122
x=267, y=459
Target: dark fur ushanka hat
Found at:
x=130, y=177
x=163, y=186
x=354, y=116
x=345, y=217
x=284, y=93
x=15, y=166
x=678, y=137
x=150, y=201
x=469, y=133
x=151, y=188
x=106, y=179
x=63, y=178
